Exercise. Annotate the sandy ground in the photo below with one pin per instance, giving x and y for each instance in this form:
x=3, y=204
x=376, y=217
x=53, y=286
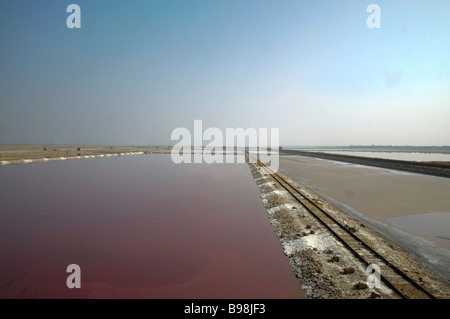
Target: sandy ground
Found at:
x=375, y=195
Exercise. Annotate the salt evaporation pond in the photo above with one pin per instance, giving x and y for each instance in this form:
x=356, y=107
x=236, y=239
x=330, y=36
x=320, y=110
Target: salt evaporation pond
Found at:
x=138, y=227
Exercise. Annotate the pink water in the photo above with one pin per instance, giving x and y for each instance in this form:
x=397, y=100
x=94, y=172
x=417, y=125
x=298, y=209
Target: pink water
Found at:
x=138, y=227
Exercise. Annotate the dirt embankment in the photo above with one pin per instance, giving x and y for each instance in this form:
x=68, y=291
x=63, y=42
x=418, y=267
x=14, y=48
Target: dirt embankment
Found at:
x=17, y=154
x=441, y=169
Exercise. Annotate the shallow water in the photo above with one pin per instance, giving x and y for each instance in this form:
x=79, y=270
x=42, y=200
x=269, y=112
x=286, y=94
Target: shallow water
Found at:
x=138, y=227
x=434, y=226
x=402, y=156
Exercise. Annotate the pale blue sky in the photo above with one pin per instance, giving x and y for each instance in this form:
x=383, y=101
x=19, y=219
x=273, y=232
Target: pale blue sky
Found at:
x=136, y=70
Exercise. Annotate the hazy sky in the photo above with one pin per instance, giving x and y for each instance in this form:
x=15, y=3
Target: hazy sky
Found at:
x=136, y=70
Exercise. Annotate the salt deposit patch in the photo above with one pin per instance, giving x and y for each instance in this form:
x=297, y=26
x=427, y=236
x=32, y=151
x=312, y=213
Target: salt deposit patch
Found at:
x=265, y=184
x=278, y=208
x=318, y=241
x=274, y=193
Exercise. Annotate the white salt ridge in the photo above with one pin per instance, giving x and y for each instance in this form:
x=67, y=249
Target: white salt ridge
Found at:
x=274, y=193
x=62, y=158
x=278, y=208
x=265, y=184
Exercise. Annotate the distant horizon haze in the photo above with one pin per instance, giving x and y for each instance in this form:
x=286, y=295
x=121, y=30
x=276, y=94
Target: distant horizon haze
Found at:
x=137, y=70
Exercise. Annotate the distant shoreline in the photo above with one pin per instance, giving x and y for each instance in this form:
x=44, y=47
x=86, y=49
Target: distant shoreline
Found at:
x=441, y=169
x=21, y=154
x=374, y=148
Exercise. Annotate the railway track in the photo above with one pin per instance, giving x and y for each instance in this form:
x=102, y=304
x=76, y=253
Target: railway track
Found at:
x=391, y=275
